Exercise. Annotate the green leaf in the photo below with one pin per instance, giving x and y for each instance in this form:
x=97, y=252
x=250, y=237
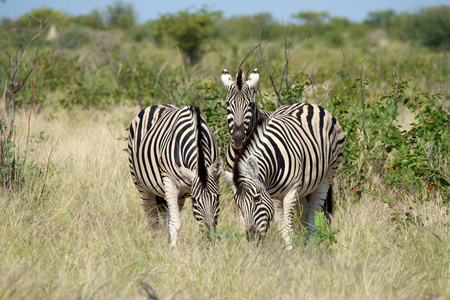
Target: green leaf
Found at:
x=382, y=195
x=443, y=182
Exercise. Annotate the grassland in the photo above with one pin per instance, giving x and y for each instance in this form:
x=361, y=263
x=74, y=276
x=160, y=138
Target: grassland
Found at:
x=87, y=237
x=73, y=226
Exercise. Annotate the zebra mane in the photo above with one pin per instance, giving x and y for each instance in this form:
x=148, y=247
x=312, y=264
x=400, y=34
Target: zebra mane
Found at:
x=239, y=79
x=201, y=168
x=237, y=174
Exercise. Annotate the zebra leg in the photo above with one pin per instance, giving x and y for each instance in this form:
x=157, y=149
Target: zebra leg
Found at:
x=288, y=212
x=304, y=211
x=181, y=203
x=316, y=203
x=171, y=192
x=167, y=217
x=161, y=204
x=278, y=213
x=148, y=201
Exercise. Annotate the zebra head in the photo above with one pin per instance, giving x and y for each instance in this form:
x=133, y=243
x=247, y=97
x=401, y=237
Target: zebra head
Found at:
x=205, y=194
x=240, y=103
x=205, y=182
x=252, y=198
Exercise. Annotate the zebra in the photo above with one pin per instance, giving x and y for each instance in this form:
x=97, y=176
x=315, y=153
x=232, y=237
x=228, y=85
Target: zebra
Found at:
x=292, y=155
x=173, y=154
x=242, y=111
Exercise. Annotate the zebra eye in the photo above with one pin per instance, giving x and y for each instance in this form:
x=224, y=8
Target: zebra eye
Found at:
x=257, y=198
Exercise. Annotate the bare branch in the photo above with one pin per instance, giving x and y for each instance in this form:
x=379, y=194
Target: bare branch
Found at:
x=311, y=82
x=397, y=82
x=38, y=35
x=416, y=211
x=361, y=86
x=192, y=73
x=327, y=97
x=248, y=54
x=158, y=76
x=15, y=84
x=352, y=68
x=149, y=291
x=4, y=96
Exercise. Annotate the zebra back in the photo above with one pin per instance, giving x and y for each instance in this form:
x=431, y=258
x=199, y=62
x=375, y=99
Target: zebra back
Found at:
x=301, y=137
x=293, y=153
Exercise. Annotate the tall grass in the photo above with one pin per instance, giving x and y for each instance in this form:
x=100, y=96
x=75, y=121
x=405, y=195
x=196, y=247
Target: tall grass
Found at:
x=89, y=239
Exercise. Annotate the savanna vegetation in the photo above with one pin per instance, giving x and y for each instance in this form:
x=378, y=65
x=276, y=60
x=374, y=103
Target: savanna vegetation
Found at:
x=71, y=224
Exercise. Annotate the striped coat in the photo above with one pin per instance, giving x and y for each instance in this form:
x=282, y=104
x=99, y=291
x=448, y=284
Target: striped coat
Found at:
x=292, y=155
x=173, y=155
x=242, y=111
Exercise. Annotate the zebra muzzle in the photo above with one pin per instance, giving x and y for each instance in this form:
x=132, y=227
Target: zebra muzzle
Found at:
x=238, y=136
x=209, y=225
x=251, y=233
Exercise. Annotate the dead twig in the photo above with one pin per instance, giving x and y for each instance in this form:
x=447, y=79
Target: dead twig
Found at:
x=149, y=291
x=248, y=54
x=361, y=87
x=397, y=82
x=15, y=83
x=192, y=73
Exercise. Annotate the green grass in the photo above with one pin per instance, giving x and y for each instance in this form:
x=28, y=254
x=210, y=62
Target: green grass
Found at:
x=89, y=238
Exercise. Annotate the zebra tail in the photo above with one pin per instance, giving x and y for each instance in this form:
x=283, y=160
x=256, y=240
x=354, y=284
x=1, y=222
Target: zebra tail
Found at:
x=328, y=209
x=201, y=167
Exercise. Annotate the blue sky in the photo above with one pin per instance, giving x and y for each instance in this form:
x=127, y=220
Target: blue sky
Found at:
x=355, y=10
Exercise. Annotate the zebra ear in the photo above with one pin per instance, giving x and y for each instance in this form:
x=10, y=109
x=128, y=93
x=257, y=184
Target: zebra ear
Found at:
x=186, y=173
x=226, y=78
x=253, y=78
x=214, y=169
x=229, y=178
x=252, y=167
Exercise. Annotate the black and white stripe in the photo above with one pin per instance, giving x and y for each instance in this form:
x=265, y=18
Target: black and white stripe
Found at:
x=173, y=154
x=242, y=111
x=292, y=155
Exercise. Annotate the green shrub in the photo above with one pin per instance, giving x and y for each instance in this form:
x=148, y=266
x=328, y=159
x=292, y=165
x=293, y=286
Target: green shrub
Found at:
x=144, y=32
x=375, y=141
x=323, y=238
x=430, y=26
x=215, y=110
x=10, y=167
x=188, y=30
x=18, y=172
x=120, y=15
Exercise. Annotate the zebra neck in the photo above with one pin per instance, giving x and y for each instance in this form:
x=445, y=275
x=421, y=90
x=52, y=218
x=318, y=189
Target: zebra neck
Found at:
x=250, y=148
x=257, y=113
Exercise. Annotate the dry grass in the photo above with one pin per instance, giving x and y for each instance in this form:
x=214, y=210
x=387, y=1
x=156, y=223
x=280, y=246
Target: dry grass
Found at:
x=89, y=239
